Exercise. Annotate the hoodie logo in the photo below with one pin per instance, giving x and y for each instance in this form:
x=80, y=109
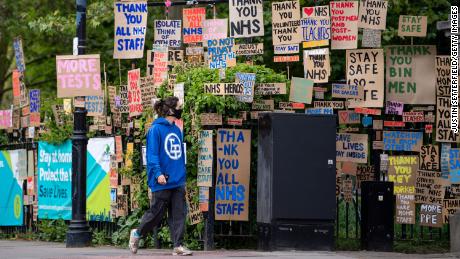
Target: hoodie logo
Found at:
x=173, y=146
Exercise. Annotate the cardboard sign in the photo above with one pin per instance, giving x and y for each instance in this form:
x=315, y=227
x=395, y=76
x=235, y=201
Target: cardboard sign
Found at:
x=449, y=207
x=410, y=76
x=373, y=14
x=344, y=27
x=286, y=23
x=233, y=174
x=19, y=54
x=454, y=165
x=316, y=30
x=365, y=68
x=270, y=88
x=402, y=140
x=130, y=28
x=211, y=119
x=179, y=92
x=34, y=99
x=443, y=123
x=442, y=71
x=371, y=38
x=249, y=49
x=94, y=105
x=147, y=91
x=405, y=209
x=402, y=172
x=301, y=90
x=214, y=29
x=364, y=173
x=429, y=158
x=351, y=147
x=248, y=80
x=323, y=111
x=160, y=66
x=78, y=76
x=349, y=117
x=16, y=81
x=193, y=24
x=290, y=105
x=315, y=11
x=118, y=149
x=413, y=117
x=6, y=119
x=246, y=19
x=123, y=107
x=205, y=158
x=221, y=53
x=347, y=91
x=430, y=187
x=431, y=215
x=412, y=26
x=263, y=105
x=224, y=88
x=394, y=108
x=317, y=65
x=329, y=104
x=368, y=111
x=347, y=189
x=286, y=49
x=134, y=93
x=377, y=124
x=168, y=32
x=194, y=214
x=279, y=59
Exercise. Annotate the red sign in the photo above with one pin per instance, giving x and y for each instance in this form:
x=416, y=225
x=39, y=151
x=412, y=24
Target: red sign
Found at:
x=134, y=93
x=368, y=111
x=429, y=128
x=294, y=58
x=16, y=83
x=235, y=121
x=394, y=124
x=413, y=117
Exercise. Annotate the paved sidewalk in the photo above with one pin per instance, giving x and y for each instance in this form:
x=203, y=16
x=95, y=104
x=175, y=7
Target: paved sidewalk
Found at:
x=10, y=249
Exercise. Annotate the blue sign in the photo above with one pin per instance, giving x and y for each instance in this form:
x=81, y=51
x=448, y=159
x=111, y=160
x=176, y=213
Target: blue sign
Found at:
x=34, y=97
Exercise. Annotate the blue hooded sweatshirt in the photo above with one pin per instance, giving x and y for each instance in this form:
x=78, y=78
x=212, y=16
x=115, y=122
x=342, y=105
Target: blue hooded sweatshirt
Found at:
x=165, y=155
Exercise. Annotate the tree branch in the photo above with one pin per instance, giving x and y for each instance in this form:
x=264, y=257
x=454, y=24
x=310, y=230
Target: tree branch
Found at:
x=28, y=64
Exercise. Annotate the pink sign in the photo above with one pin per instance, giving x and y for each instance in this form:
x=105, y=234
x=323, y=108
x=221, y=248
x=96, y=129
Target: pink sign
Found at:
x=6, y=119
x=78, y=76
x=134, y=93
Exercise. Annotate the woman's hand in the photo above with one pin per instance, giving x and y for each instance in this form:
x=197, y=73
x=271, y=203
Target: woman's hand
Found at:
x=161, y=180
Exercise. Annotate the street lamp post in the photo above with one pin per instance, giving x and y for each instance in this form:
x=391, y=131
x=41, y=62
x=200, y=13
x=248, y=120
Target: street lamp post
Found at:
x=78, y=234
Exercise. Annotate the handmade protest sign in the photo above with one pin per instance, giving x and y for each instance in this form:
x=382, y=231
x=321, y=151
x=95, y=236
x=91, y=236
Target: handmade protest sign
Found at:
x=286, y=23
x=194, y=214
x=34, y=99
x=112, y=92
x=179, y=92
x=412, y=26
x=6, y=119
x=373, y=14
x=205, y=158
x=270, y=88
x=317, y=65
x=279, y=59
x=248, y=80
x=210, y=119
x=351, y=147
x=344, y=24
x=246, y=18
x=431, y=215
x=442, y=75
x=249, y=49
x=347, y=91
x=221, y=54
x=224, y=88
x=394, y=108
x=160, y=65
x=365, y=68
x=349, y=117
x=214, y=29
x=454, y=165
x=16, y=81
x=405, y=209
x=130, y=28
x=443, y=123
x=371, y=38
x=193, y=24
x=364, y=173
x=319, y=110
x=175, y=57
x=203, y=199
x=78, y=76
x=19, y=54
x=233, y=172
x=410, y=76
x=168, y=32
x=124, y=104
x=413, y=117
x=329, y=104
x=263, y=105
x=316, y=30
x=286, y=49
x=147, y=91
x=315, y=11
x=301, y=90
x=134, y=93
x=429, y=158
x=449, y=207
x=429, y=187
x=347, y=190
x=94, y=105
x=402, y=140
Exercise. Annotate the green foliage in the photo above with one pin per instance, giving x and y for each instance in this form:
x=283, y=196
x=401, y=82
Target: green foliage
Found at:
x=100, y=238
x=52, y=230
x=55, y=133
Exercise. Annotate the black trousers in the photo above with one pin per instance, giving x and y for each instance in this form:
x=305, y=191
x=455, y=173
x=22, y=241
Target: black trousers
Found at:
x=174, y=200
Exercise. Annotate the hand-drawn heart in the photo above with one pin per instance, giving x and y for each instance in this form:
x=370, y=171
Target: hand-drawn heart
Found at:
x=308, y=10
x=344, y=116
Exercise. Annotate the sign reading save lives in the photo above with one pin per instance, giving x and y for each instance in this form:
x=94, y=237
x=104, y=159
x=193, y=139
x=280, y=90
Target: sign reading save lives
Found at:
x=224, y=88
x=351, y=147
x=205, y=158
x=78, y=76
x=233, y=174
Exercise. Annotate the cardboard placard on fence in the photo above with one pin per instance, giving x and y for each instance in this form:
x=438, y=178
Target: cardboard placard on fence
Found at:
x=442, y=68
x=134, y=93
x=316, y=30
x=249, y=49
x=34, y=100
x=394, y=108
x=94, y=105
x=402, y=172
x=6, y=119
x=286, y=23
x=344, y=24
x=168, y=32
x=413, y=117
x=371, y=38
x=78, y=76
x=349, y=117
x=317, y=65
x=270, y=88
x=246, y=18
x=364, y=173
x=410, y=77
x=429, y=158
x=248, y=80
x=286, y=49
x=373, y=14
x=263, y=105
x=221, y=53
x=19, y=54
x=204, y=199
x=449, y=207
x=402, y=140
x=347, y=190
x=405, y=209
x=194, y=214
x=160, y=66
x=351, y=147
x=347, y=91
x=124, y=104
x=224, y=88
x=205, y=158
x=118, y=149
x=211, y=119
x=130, y=28
x=443, y=123
x=336, y=105
x=412, y=26
x=430, y=187
x=365, y=67
x=301, y=90
x=147, y=91
x=234, y=157
x=280, y=59
x=454, y=165
x=193, y=24
x=431, y=215
x=214, y=29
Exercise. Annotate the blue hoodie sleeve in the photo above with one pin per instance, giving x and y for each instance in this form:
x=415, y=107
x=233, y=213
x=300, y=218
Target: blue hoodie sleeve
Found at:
x=153, y=153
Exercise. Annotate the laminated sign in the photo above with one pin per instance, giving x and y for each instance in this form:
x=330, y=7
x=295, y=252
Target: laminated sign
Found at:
x=130, y=28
